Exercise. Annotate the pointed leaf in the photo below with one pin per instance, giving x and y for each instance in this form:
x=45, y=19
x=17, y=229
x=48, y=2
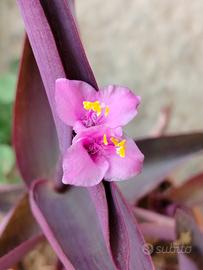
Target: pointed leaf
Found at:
x=9, y=195
x=67, y=39
x=38, y=29
x=19, y=233
x=35, y=137
x=50, y=66
x=186, y=263
x=47, y=58
x=126, y=239
x=161, y=156
x=155, y=230
x=72, y=226
x=190, y=193
x=57, y=48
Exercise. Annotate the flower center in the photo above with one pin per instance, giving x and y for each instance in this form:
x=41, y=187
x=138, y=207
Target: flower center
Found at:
x=93, y=149
x=92, y=106
x=120, y=145
x=98, y=108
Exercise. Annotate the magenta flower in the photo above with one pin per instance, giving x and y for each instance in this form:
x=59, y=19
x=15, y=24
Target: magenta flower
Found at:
x=98, y=153
x=79, y=105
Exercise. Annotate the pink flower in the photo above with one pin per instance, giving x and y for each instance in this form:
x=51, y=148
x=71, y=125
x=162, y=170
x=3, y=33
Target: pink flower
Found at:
x=79, y=105
x=98, y=153
x=99, y=150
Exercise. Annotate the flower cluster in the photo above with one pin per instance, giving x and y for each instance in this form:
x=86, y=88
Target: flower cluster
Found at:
x=100, y=149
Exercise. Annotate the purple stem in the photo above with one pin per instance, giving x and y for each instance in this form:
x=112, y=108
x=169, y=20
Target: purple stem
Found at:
x=158, y=231
x=150, y=216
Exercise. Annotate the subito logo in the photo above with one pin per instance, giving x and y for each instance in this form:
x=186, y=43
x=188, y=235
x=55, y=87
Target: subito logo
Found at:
x=147, y=249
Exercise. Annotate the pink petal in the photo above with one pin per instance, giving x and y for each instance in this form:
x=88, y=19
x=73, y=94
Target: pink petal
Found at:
x=69, y=97
x=124, y=168
x=122, y=103
x=97, y=132
x=80, y=170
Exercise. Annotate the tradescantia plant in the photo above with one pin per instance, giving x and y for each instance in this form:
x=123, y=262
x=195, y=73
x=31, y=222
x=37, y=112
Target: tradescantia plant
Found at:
x=67, y=138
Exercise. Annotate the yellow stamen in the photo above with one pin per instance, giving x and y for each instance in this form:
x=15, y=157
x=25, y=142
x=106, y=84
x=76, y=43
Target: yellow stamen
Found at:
x=94, y=106
x=107, y=110
x=105, y=140
x=121, y=151
x=114, y=141
x=122, y=143
x=87, y=105
x=120, y=146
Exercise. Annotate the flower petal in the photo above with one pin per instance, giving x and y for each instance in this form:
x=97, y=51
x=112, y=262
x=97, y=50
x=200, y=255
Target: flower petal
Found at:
x=80, y=170
x=122, y=103
x=69, y=97
x=123, y=168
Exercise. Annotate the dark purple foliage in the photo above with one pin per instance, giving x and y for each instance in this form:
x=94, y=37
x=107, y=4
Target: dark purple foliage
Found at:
x=102, y=227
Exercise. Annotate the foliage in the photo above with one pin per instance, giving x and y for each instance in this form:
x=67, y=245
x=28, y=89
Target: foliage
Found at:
x=105, y=226
x=7, y=95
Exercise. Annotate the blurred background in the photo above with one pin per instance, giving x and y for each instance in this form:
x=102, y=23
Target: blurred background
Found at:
x=152, y=46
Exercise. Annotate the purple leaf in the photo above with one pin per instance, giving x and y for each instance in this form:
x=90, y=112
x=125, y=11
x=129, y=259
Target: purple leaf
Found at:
x=59, y=266
x=72, y=226
x=49, y=40
x=57, y=48
x=34, y=137
x=162, y=155
x=47, y=58
x=98, y=197
x=9, y=195
x=49, y=63
x=189, y=194
x=145, y=215
x=154, y=225
x=19, y=233
x=67, y=39
x=126, y=240
x=186, y=263
x=155, y=230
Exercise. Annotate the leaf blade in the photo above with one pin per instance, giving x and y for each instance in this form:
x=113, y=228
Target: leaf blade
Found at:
x=126, y=239
x=67, y=39
x=19, y=233
x=47, y=58
x=162, y=155
x=9, y=194
x=188, y=194
x=27, y=137
x=67, y=236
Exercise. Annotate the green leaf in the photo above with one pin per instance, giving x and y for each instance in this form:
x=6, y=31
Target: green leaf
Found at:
x=14, y=64
x=7, y=93
x=7, y=88
x=5, y=123
x=7, y=161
